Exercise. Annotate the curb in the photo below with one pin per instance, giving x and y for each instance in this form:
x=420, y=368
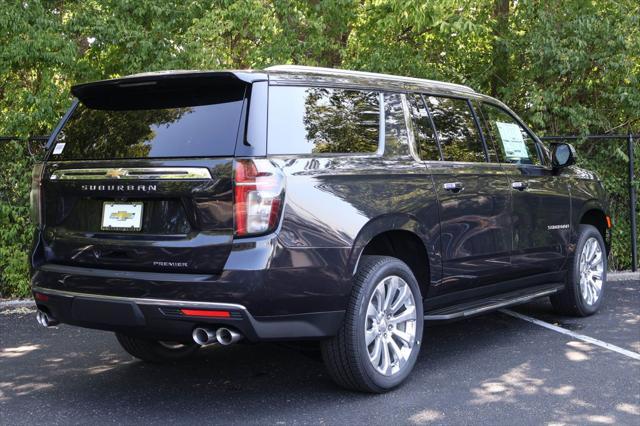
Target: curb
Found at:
x=18, y=303
x=623, y=276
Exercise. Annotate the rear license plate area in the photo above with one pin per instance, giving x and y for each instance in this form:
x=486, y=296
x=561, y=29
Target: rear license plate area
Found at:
x=121, y=216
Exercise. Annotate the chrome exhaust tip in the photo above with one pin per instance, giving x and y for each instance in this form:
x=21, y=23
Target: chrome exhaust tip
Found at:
x=45, y=320
x=226, y=336
x=204, y=336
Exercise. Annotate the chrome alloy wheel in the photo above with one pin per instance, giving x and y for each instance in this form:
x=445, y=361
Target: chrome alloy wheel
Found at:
x=591, y=271
x=390, y=328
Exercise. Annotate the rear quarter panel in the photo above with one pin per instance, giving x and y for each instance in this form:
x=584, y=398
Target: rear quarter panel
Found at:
x=336, y=205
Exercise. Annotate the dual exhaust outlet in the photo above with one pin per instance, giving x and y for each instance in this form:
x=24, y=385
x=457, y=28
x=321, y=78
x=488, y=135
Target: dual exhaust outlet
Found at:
x=209, y=336
x=201, y=335
x=46, y=320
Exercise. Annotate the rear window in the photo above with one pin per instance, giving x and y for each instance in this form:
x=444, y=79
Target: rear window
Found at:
x=190, y=126
x=318, y=120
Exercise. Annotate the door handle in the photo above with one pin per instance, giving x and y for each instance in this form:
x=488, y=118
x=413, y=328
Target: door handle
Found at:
x=520, y=186
x=453, y=186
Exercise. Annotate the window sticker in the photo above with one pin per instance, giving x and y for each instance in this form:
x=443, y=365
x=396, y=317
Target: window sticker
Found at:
x=512, y=141
x=58, y=148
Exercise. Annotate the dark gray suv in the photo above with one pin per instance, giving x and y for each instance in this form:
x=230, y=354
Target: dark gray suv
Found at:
x=182, y=209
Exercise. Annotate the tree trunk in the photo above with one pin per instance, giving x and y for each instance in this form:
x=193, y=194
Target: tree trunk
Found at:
x=500, y=59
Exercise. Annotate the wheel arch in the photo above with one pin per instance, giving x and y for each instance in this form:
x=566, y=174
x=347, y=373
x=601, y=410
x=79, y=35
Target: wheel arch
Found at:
x=403, y=237
x=593, y=213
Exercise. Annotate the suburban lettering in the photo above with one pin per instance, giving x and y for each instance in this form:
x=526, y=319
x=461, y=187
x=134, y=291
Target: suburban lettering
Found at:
x=143, y=188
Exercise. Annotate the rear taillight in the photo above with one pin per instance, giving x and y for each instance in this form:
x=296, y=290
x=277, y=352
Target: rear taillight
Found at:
x=259, y=194
x=35, y=197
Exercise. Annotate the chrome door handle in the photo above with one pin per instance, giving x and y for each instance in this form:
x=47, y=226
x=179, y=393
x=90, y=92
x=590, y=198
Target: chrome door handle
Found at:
x=453, y=186
x=520, y=186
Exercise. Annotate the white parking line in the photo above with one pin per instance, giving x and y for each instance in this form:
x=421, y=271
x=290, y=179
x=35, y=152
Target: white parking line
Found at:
x=582, y=337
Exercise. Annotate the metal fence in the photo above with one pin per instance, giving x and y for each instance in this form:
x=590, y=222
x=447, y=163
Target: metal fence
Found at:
x=630, y=138
x=15, y=138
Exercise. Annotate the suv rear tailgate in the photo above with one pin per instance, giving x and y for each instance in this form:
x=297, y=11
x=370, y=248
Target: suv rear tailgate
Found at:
x=153, y=153
x=187, y=223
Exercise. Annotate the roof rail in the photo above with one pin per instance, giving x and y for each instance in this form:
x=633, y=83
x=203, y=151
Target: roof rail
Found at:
x=339, y=72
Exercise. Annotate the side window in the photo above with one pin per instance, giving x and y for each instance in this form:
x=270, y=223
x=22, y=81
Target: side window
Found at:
x=457, y=130
x=484, y=128
x=396, y=140
x=318, y=120
x=423, y=131
x=513, y=142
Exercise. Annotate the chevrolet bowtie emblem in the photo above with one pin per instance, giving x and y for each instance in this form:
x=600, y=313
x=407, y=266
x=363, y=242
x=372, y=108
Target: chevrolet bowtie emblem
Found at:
x=121, y=216
x=116, y=173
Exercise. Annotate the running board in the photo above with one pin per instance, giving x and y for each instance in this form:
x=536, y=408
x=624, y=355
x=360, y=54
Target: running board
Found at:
x=477, y=307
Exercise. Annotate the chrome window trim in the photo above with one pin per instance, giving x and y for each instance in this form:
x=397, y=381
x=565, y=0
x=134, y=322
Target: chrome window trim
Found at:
x=140, y=301
x=132, y=173
x=381, y=126
x=408, y=122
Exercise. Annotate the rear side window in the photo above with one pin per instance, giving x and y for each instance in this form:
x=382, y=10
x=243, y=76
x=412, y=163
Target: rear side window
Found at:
x=209, y=128
x=422, y=129
x=319, y=120
x=514, y=143
x=457, y=131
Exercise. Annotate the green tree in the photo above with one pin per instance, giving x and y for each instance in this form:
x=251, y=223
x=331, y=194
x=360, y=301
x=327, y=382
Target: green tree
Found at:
x=567, y=67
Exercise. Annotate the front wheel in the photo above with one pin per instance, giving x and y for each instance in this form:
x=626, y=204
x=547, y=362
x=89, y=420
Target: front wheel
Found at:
x=587, y=276
x=156, y=351
x=379, y=340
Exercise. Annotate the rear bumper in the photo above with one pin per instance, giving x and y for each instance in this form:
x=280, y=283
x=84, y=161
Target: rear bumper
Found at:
x=274, y=293
x=162, y=319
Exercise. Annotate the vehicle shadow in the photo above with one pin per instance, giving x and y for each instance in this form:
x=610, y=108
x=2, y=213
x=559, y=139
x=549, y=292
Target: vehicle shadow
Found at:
x=481, y=366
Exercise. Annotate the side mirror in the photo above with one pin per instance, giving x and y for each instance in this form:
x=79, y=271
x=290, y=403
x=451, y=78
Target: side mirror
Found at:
x=562, y=155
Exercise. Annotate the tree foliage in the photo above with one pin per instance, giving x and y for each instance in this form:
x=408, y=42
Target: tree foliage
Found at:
x=566, y=66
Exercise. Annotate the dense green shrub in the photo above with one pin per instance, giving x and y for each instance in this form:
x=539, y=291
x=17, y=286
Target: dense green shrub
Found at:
x=608, y=158
x=15, y=224
x=566, y=66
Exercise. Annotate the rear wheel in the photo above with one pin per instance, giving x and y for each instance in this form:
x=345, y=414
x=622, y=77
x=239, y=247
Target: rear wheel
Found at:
x=587, y=276
x=156, y=351
x=379, y=340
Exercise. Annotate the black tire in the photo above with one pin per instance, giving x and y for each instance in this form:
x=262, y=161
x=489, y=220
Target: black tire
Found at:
x=346, y=356
x=571, y=301
x=154, y=351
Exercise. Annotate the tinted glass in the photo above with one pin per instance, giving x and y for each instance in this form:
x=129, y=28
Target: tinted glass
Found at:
x=457, y=130
x=308, y=120
x=396, y=139
x=513, y=142
x=484, y=128
x=422, y=129
x=190, y=131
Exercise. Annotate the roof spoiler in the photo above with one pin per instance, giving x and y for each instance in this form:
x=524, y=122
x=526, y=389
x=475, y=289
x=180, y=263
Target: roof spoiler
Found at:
x=169, y=89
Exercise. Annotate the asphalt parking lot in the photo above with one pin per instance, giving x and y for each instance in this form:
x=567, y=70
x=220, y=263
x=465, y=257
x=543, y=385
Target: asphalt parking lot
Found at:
x=494, y=369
